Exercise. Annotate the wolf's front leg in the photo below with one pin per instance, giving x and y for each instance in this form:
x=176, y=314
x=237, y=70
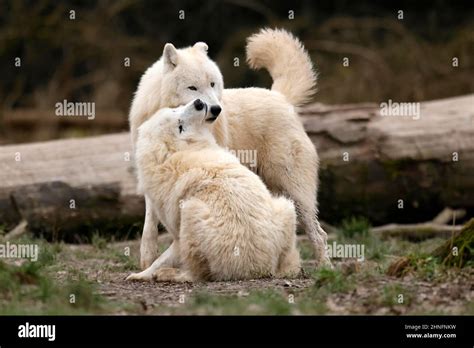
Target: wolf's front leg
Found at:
x=170, y=258
x=149, y=242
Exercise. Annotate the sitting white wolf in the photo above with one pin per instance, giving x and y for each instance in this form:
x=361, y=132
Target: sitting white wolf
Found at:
x=225, y=223
x=263, y=121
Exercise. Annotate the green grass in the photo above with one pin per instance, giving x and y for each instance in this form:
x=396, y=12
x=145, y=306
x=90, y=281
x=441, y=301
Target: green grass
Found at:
x=464, y=245
x=99, y=242
x=311, y=300
x=331, y=281
x=123, y=262
x=29, y=288
x=395, y=294
x=356, y=230
x=425, y=266
x=46, y=286
x=26, y=289
x=354, y=226
x=256, y=302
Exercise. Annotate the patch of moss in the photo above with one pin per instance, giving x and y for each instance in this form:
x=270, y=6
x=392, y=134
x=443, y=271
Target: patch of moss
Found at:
x=459, y=251
x=423, y=265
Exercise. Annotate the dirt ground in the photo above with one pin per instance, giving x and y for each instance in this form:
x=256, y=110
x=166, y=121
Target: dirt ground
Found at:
x=352, y=287
x=94, y=276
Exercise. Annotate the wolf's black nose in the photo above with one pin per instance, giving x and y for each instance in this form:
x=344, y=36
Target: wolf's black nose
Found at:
x=216, y=110
x=198, y=104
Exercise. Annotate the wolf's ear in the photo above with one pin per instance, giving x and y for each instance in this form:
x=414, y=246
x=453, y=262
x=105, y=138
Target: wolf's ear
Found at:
x=201, y=46
x=170, y=56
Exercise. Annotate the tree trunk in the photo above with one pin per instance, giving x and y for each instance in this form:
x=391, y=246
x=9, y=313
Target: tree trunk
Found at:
x=386, y=168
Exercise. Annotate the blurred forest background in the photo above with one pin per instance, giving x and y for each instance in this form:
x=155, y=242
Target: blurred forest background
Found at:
x=82, y=59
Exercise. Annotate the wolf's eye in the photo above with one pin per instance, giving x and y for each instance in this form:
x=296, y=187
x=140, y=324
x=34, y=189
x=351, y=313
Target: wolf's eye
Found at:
x=192, y=88
x=212, y=84
x=181, y=129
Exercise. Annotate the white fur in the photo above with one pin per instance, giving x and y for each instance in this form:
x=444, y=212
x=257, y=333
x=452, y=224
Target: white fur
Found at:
x=224, y=221
x=252, y=119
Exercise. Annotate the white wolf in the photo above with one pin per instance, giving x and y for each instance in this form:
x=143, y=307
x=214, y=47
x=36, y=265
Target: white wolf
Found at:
x=262, y=120
x=224, y=222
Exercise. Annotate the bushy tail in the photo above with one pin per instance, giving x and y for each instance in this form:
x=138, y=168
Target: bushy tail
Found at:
x=285, y=58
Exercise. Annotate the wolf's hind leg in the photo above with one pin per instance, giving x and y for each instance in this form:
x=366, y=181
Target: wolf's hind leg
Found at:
x=304, y=198
x=289, y=263
x=196, y=230
x=172, y=275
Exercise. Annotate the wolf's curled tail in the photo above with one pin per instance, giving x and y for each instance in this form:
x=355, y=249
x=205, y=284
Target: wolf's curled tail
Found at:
x=285, y=58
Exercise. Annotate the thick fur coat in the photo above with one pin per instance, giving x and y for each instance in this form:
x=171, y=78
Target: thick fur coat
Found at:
x=225, y=223
x=257, y=119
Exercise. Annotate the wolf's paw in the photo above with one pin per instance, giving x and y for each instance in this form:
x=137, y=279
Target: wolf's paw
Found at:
x=171, y=275
x=142, y=276
x=325, y=261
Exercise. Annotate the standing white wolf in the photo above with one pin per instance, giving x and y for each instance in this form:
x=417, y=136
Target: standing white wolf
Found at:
x=262, y=120
x=225, y=223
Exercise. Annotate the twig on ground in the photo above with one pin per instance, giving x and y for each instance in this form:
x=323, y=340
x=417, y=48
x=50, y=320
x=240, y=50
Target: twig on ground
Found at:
x=18, y=231
x=436, y=228
x=447, y=215
x=416, y=231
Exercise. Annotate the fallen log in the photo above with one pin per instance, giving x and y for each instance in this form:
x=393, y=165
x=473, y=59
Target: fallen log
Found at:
x=438, y=227
x=384, y=168
x=415, y=232
x=394, y=168
x=58, y=211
